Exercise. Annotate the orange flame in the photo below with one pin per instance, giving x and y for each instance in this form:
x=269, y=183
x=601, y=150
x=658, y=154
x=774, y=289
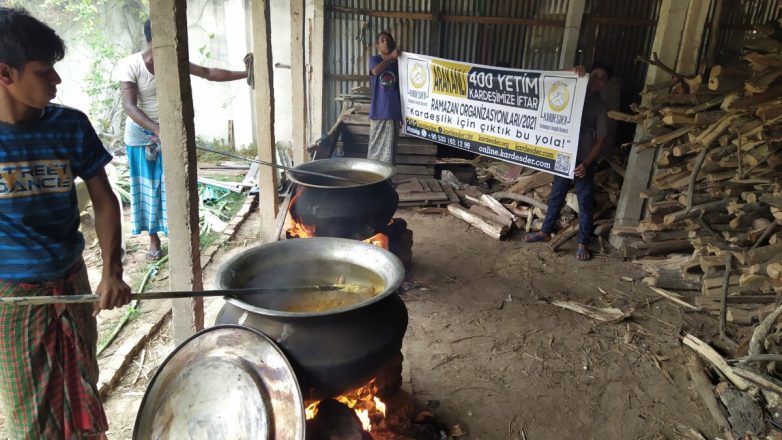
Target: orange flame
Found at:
x=379, y=240
x=298, y=229
x=361, y=400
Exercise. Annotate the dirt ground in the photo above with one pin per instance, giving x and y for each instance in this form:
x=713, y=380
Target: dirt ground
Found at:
x=487, y=352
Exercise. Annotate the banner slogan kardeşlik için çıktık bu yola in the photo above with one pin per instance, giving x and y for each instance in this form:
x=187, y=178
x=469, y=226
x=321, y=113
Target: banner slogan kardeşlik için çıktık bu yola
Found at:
x=528, y=117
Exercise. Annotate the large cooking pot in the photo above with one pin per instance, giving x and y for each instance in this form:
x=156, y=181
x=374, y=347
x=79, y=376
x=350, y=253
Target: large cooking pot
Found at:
x=332, y=351
x=335, y=208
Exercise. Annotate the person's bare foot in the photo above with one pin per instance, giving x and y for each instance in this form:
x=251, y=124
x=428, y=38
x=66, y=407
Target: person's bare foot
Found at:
x=154, y=252
x=582, y=253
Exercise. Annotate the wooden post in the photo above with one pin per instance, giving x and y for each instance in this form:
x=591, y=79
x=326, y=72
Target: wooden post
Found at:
x=298, y=84
x=169, y=30
x=231, y=135
x=315, y=70
x=575, y=13
x=264, y=116
x=435, y=43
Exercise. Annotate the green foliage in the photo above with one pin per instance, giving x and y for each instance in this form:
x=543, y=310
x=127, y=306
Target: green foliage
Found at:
x=92, y=18
x=248, y=151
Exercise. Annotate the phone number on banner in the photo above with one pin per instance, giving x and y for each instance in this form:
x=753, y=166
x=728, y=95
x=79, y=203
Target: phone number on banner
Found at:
x=504, y=149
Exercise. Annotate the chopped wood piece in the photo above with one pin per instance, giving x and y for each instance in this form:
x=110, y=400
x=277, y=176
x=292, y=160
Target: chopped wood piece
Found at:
x=673, y=298
x=564, y=235
x=744, y=413
x=706, y=391
x=520, y=198
x=524, y=184
x=608, y=314
x=497, y=207
x=715, y=359
x=774, y=270
x=695, y=211
x=714, y=102
x=764, y=381
x=665, y=138
x=490, y=215
x=490, y=229
x=677, y=283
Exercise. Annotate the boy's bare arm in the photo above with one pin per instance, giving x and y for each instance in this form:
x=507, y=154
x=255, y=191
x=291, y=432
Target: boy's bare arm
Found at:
x=130, y=104
x=381, y=66
x=112, y=289
x=213, y=74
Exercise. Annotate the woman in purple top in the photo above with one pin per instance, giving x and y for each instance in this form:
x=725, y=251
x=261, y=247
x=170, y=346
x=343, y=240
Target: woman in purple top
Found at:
x=385, y=112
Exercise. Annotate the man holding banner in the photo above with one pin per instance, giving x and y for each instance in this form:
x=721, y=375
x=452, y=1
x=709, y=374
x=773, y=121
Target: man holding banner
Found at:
x=385, y=111
x=529, y=117
x=594, y=129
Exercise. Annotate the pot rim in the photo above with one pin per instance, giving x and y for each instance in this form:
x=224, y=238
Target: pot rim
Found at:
x=391, y=284
x=382, y=169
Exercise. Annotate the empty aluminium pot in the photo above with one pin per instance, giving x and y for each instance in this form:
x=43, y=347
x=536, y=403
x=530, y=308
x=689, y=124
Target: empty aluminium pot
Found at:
x=335, y=208
x=332, y=351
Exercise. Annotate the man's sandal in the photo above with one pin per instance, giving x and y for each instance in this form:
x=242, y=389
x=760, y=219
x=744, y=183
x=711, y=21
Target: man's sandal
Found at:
x=154, y=256
x=534, y=237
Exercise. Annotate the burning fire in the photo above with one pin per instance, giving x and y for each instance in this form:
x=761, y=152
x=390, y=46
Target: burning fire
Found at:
x=362, y=400
x=298, y=229
x=379, y=240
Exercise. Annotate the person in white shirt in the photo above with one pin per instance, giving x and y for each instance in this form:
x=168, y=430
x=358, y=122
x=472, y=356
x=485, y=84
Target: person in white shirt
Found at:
x=136, y=74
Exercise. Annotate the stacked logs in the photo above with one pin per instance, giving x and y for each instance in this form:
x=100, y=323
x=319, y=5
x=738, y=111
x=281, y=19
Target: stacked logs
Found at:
x=520, y=204
x=717, y=183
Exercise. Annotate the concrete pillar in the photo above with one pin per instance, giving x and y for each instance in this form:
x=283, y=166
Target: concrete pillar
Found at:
x=264, y=116
x=692, y=36
x=298, y=84
x=575, y=13
x=667, y=40
x=315, y=70
x=177, y=135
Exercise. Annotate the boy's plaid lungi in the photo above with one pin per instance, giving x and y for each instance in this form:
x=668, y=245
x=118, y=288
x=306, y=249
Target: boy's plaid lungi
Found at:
x=48, y=365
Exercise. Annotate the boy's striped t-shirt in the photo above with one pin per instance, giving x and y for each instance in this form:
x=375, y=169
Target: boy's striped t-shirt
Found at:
x=39, y=215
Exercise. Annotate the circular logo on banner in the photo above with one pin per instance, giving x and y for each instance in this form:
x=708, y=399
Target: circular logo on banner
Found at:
x=418, y=75
x=558, y=96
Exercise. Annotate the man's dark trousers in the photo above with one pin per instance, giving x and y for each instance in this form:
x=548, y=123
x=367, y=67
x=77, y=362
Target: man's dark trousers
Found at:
x=585, y=190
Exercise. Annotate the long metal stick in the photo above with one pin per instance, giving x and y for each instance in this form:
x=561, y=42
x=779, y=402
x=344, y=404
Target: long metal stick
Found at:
x=82, y=299
x=273, y=165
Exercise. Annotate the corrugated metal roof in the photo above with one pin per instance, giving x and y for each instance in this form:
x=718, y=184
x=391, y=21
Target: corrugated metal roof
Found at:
x=523, y=33
x=350, y=32
x=736, y=21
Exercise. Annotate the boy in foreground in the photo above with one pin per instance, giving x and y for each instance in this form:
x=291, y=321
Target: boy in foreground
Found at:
x=48, y=362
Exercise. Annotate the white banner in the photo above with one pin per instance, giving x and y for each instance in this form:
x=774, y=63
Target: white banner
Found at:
x=528, y=117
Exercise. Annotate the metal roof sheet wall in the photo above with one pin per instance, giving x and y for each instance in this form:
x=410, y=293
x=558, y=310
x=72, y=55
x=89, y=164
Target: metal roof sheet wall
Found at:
x=521, y=46
x=350, y=41
x=615, y=32
x=736, y=21
x=630, y=10
x=350, y=37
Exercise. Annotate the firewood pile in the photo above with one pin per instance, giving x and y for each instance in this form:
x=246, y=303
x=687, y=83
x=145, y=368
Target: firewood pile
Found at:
x=716, y=190
x=714, y=210
x=511, y=198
